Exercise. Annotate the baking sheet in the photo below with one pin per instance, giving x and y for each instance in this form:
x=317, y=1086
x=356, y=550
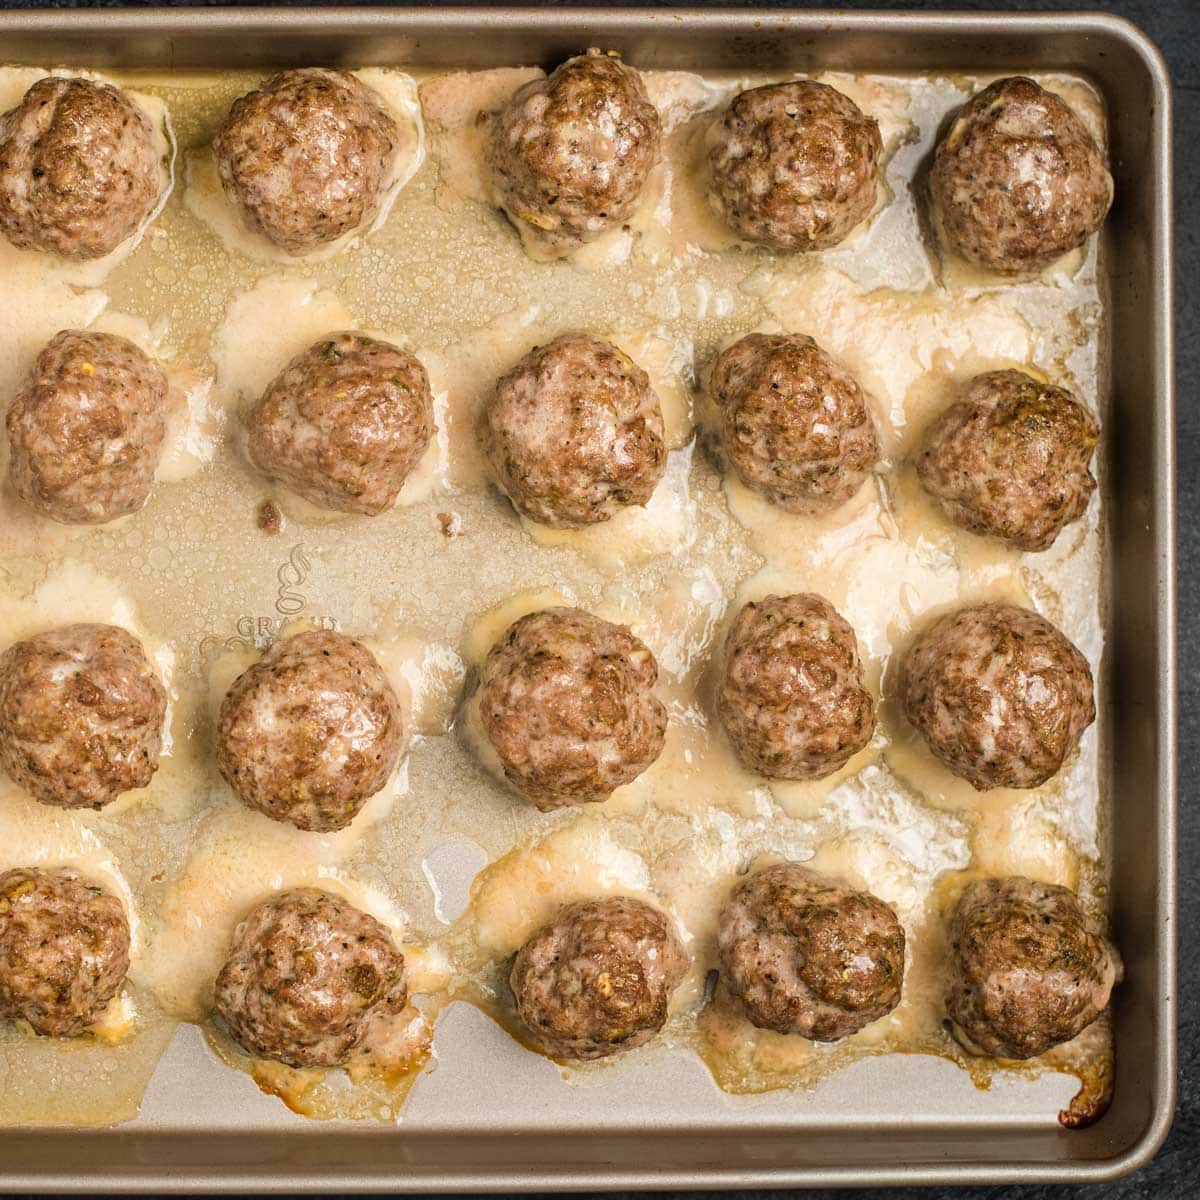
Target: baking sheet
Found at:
x=830, y=1146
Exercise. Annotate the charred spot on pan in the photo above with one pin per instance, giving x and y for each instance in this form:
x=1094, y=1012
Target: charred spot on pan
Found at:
x=268, y=518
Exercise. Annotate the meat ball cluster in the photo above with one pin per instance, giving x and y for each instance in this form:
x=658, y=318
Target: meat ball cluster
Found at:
x=307, y=158
x=1029, y=969
x=81, y=715
x=79, y=172
x=1000, y=695
x=791, y=694
x=794, y=166
x=305, y=977
x=344, y=423
x=1010, y=459
x=598, y=979
x=794, y=424
x=805, y=954
x=1018, y=181
x=570, y=154
x=567, y=703
x=86, y=432
x=310, y=732
x=64, y=950
x=574, y=433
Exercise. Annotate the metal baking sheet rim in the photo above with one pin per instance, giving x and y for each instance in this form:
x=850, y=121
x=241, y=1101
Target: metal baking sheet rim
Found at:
x=1141, y=534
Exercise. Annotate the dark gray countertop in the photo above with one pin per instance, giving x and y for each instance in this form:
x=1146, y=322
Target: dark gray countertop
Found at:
x=1175, y=26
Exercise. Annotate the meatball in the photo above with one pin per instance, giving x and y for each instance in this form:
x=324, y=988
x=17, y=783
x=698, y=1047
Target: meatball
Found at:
x=567, y=702
x=794, y=166
x=1018, y=181
x=803, y=953
x=999, y=694
x=81, y=715
x=306, y=975
x=791, y=694
x=64, y=949
x=1010, y=459
x=86, y=431
x=598, y=978
x=574, y=433
x=1029, y=969
x=307, y=157
x=79, y=172
x=795, y=425
x=344, y=423
x=310, y=732
x=570, y=154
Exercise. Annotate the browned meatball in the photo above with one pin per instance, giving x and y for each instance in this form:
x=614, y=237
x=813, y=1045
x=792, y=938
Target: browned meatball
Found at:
x=567, y=701
x=64, y=949
x=310, y=732
x=307, y=157
x=574, y=433
x=87, y=429
x=795, y=424
x=791, y=695
x=1010, y=459
x=78, y=168
x=81, y=715
x=344, y=423
x=1029, y=969
x=1018, y=181
x=803, y=953
x=570, y=154
x=306, y=975
x=598, y=978
x=1000, y=695
x=794, y=166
